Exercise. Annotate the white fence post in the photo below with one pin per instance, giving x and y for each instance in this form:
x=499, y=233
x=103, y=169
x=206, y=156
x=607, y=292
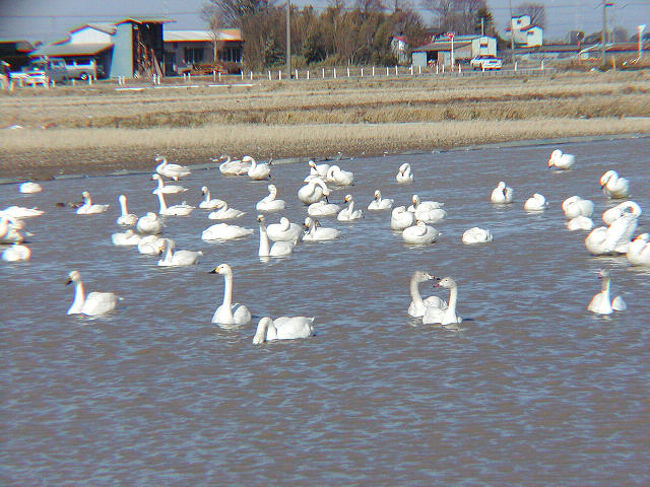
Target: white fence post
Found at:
x=419, y=69
x=373, y=71
x=396, y=72
x=334, y=73
x=307, y=74
x=411, y=70
x=269, y=75
x=348, y=72
x=251, y=76
x=323, y=73
x=296, y=74
x=279, y=75
x=362, y=72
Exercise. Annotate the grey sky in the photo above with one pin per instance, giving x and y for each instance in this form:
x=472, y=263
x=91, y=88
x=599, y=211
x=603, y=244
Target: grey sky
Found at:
x=49, y=20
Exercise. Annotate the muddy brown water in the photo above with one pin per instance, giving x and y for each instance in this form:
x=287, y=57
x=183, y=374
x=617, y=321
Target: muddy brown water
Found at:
x=534, y=390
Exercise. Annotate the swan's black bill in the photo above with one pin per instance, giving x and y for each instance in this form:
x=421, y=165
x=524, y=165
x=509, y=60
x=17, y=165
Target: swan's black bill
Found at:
x=69, y=281
x=213, y=271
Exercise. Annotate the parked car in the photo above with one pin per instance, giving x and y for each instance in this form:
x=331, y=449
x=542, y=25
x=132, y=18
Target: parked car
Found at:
x=486, y=62
x=83, y=69
x=54, y=68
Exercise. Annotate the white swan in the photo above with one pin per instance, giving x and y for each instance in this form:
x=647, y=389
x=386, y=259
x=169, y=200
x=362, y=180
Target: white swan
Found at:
x=18, y=212
x=418, y=305
x=339, y=177
x=172, y=171
x=29, y=188
x=401, y=218
x=16, y=253
x=258, y=171
x=576, y=206
x=613, y=186
x=316, y=233
x=279, y=249
x=380, y=203
x=638, y=252
x=476, y=235
x=285, y=231
x=237, y=167
x=537, y=202
x=404, y=174
x=423, y=205
x=182, y=209
x=229, y=314
x=614, y=239
x=92, y=305
x=125, y=218
x=444, y=316
x=126, y=239
x=502, y=194
x=225, y=213
x=349, y=214
x=580, y=223
x=318, y=169
x=420, y=234
x=166, y=188
x=269, y=203
x=323, y=208
x=208, y=202
x=88, y=208
x=625, y=208
x=600, y=303
x=283, y=328
x=224, y=231
x=313, y=191
x=10, y=230
x=149, y=223
x=150, y=245
x=427, y=211
x=177, y=258
x=561, y=161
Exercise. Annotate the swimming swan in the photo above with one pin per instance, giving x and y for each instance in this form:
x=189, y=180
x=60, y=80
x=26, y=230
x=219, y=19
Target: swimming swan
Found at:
x=323, y=208
x=476, y=235
x=318, y=169
x=237, y=167
x=283, y=328
x=625, y=208
x=404, y=174
x=614, y=186
x=580, y=223
x=561, y=161
x=537, y=202
x=125, y=218
x=349, y=214
x=88, y=208
x=576, y=206
x=614, y=239
x=224, y=231
x=225, y=213
x=315, y=233
x=126, y=239
x=150, y=245
x=258, y=171
x=18, y=212
x=380, y=203
x=339, y=177
x=208, y=202
x=313, y=191
x=269, y=203
x=182, y=209
x=638, y=252
x=166, y=188
x=445, y=316
x=229, y=314
x=401, y=218
x=172, y=171
x=600, y=303
x=30, y=188
x=92, y=305
x=285, y=231
x=427, y=211
x=502, y=194
x=279, y=249
x=149, y=223
x=420, y=234
x=177, y=258
x=16, y=253
x=418, y=305
x=10, y=230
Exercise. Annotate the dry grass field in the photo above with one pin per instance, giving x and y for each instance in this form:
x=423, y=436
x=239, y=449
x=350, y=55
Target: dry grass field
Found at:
x=97, y=129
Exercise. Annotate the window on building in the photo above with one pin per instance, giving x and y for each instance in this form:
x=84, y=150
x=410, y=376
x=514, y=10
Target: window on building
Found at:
x=193, y=55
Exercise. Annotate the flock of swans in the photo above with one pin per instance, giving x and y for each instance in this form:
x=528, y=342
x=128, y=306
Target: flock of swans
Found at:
x=414, y=224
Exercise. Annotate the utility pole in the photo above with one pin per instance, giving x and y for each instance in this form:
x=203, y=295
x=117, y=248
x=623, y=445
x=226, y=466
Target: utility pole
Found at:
x=512, y=36
x=288, y=39
x=603, y=36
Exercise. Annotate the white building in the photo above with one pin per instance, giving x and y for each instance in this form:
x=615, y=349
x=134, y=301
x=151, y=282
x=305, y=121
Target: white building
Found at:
x=524, y=33
x=466, y=47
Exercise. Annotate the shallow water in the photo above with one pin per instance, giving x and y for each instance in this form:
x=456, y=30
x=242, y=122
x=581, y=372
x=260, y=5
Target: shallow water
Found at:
x=533, y=391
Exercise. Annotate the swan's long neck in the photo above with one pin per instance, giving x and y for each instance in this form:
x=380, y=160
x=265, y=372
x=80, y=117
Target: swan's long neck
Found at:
x=124, y=208
x=264, y=242
x=161, y=202
x=227, y=293
x=450, y=312
x=605, y=288
x=415, y=291
x=351, y=206
x=260, y=334
x=79, y=298
x=161, y=184
x=169, y=254
x=207, y=196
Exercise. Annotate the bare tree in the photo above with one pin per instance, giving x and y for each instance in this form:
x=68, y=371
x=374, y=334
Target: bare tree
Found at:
x=455, y=15
x=537, y=12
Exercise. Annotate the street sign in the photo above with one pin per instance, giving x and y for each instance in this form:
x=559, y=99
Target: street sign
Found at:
x=450, y=35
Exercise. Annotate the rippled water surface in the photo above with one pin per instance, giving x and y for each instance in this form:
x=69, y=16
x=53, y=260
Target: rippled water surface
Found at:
x=533, y=391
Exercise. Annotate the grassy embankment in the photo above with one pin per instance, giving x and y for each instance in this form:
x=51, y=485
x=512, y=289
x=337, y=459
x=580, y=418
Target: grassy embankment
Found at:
x=98, y=129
